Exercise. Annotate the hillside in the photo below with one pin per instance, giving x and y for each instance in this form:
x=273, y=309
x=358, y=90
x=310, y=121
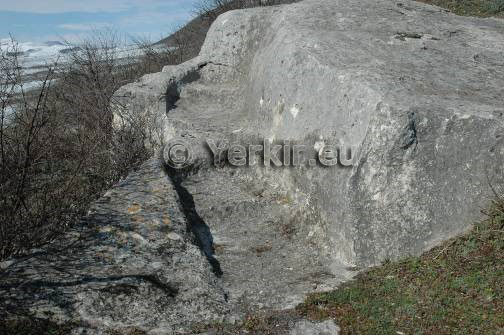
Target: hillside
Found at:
x=191, y=36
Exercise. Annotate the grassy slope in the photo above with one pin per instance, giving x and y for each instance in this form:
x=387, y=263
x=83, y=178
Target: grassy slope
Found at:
x=456, y=288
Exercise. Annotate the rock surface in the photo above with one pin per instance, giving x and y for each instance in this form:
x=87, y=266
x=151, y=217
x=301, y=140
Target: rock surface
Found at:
x=310, y=328
x=416, y=89
x=120, y=269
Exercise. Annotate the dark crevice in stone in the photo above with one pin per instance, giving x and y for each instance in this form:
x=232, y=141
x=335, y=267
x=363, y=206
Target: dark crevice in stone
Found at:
x=405, y=35
x=211, y=63
x=410, y=132
x=195, y=224
x=174, y=89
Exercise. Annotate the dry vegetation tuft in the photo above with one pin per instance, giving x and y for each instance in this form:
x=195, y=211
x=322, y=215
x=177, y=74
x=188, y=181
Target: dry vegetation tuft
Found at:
x=482, y=8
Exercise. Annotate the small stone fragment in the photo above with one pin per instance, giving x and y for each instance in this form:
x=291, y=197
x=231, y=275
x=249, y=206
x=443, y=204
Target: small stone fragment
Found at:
x=134, y=209
x=174, y=237
x=309, y=328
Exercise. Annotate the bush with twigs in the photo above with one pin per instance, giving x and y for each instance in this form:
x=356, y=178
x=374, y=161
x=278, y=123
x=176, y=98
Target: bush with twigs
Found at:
x=58, y=149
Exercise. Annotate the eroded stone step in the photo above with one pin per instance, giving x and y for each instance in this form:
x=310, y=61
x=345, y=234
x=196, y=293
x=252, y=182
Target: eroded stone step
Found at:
x=264, y=261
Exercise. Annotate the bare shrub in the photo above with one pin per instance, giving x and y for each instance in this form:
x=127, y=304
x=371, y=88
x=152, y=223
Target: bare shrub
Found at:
x=495, y=6
x=58, y=148
x=211, y=9
x=83, y=95
x=33, y=201
x=153, y=57
x=189, y=39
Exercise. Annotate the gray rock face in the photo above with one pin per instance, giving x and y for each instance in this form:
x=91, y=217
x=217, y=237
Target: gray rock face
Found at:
x=417, y=90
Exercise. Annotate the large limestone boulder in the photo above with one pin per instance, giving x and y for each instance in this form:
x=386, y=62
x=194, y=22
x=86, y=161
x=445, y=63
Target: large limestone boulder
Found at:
x=417, y=90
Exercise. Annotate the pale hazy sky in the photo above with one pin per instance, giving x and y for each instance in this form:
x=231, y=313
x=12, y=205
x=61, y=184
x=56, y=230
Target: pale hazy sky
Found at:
x=43, y=20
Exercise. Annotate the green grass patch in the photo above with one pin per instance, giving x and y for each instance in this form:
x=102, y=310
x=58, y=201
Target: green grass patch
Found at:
x=456, y=288
x=483, y=8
